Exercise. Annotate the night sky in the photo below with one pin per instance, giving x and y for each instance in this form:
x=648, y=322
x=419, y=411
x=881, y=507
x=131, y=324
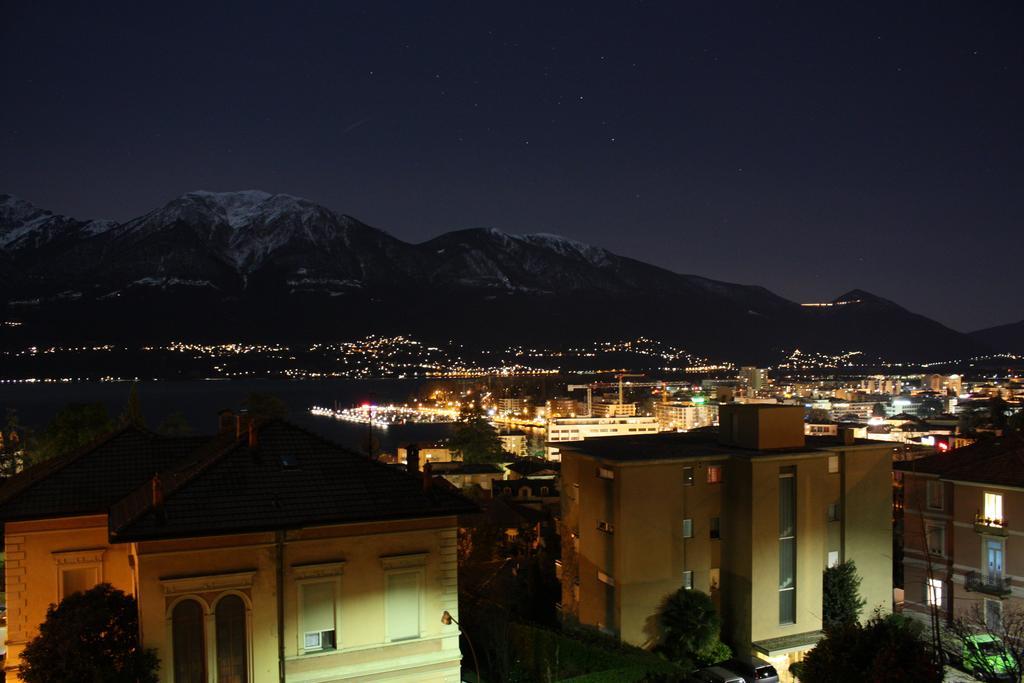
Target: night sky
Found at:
x=808, y=147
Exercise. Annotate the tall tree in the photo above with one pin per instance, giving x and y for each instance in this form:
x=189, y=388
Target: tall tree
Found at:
x=689, y=629
x=76, y=425
x=841, y=598
x=261, y=406
x=132, y=414
x=90, y=636
x=175, y=424
x=475, y=439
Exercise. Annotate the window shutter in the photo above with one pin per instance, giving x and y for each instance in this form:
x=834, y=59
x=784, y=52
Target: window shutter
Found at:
x=403, y=606
x=318, y=607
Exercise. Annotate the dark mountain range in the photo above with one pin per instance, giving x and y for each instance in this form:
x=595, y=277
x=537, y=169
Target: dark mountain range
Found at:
x=1003, y=338
x=259, y=267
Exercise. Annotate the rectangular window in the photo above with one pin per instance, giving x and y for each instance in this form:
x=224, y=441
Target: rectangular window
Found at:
x=78, y=580
x=688, y=579
x=605, y=579
x=687, y=476
x=833, y=512
x=403, y=605
x=605, y=473
x=714, y=578
x=934, y=591
x=993, y=507
x=714, y=474
x=833, y=464
x=318, y=610
x=716, y=531
x=687, y=528
x=833, y=558
x=605, y=526
x=787, y=545
x=934, y=494
x=936, y=539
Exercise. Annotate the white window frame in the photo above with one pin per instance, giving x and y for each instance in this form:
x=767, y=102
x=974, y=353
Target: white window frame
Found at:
x=993, y=506
x=414, y=563
x=719, y=474
x=934, y=485
x=688, y=579
x=833, y=464
x=605, y=473
x=688, y=528
x=321, y=572
x=927, y=535
x=71, y=560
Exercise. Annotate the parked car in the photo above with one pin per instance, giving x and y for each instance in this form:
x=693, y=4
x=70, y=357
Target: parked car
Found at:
x=714, y=674
x=752, y=669
x=985, y=656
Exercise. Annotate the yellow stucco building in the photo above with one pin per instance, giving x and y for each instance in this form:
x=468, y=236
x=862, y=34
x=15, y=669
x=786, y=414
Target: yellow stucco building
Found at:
x=264, y=554
x=751, y=514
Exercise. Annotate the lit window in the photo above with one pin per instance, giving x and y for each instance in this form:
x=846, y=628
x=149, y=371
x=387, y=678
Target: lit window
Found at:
x=605, y=526
x=934, y=494
x=687, y=476
x=687, y=528
x=403, y=605
x=604, y=578
x=318, y=611
x=936, y=539
x=605, y=473
x=994, y=507
x=833, y=558
x=714, y=474
x=833, y=464
x=688, y=579
x=934, y=589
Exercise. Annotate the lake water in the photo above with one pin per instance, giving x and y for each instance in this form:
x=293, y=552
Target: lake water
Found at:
x=199, y=401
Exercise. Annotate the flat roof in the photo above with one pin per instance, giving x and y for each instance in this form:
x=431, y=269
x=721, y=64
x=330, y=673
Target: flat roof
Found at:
x=695, y=444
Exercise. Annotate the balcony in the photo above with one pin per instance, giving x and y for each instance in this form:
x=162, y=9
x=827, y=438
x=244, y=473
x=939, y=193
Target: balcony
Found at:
x=984, y=583
x=992, y=527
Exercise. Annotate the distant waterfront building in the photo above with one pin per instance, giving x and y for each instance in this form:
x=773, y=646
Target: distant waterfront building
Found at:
x=751, y=515
x=612, y=409
x=577, y=428
x=514, y=406
x=944, y=384
x=514, y=442
x=684, y=415
x=563, y=407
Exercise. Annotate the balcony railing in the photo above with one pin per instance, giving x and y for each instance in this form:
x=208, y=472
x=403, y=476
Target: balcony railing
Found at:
x=987, y=525
x=986, y=583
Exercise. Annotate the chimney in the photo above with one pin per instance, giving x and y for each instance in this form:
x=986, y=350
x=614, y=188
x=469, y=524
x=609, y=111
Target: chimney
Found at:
x=412, y=458
x=157, y=499
x=428, y=478
x=242, y=425
x=225, y=421
x=846, y=435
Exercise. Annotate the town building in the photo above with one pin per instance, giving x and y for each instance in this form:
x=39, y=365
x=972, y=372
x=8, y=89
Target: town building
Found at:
x=514, y=406
x=514, y=442
x=261, y=554
x=577, y=428
x=753, y=379
x=563, y=407
x=611, y=408
x=752, y=515
x=685, y=415
x=961, y=552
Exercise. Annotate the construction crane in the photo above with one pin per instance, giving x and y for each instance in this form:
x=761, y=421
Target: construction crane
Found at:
x=590, y=392
x=619, y=377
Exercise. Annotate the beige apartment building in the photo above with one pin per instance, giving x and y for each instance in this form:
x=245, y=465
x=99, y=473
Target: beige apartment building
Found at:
x=752, y=515
x=962, y=552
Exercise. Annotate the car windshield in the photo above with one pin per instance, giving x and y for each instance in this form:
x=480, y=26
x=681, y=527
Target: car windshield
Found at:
x=764, y=672
x=989, y=647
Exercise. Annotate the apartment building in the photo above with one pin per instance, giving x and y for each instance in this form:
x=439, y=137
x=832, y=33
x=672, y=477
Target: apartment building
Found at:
x=578, y=428
x=752, y=515
x=261, y=554
x=961, y=551
x=684, y=415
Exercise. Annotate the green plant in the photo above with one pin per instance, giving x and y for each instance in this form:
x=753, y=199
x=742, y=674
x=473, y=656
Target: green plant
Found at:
x=841, y=600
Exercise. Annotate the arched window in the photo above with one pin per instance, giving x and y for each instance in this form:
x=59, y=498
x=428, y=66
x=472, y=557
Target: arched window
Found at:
x=187, y=638
x=232, y=654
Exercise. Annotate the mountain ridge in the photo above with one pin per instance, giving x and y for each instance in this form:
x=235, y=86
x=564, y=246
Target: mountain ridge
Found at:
x=276, y=263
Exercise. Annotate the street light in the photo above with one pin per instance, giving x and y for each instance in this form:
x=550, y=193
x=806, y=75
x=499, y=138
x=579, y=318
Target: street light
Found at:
x=447, y=619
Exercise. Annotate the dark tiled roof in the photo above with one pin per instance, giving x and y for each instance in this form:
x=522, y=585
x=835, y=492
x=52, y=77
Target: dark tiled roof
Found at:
x=997, y=460
x=90, y=480
x=528, y=466
x=292, y=479
x=457, y=467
